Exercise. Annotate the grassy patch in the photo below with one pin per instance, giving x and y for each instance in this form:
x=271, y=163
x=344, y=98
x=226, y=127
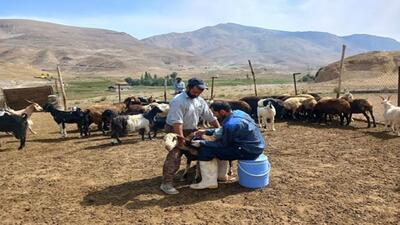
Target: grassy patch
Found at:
x=88, y=88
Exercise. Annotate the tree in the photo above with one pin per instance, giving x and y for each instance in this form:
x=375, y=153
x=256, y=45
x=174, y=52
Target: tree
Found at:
x=173, y=75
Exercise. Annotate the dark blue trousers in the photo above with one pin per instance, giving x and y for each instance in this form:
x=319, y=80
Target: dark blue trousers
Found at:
x=226, y=153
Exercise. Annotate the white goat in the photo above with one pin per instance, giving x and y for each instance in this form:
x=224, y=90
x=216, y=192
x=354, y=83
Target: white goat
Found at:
x=266, y=113
x=391, y=115
x=29, y=110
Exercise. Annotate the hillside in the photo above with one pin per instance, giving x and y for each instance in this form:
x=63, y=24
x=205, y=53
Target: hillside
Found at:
x=31, y=46
x=374, y=64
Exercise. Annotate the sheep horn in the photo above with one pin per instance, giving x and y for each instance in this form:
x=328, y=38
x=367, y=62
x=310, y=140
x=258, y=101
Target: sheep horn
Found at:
x=28, y=101
x=381, y=97
x=389, y=97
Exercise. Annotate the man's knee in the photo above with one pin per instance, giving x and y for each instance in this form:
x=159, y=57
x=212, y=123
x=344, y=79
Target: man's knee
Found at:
x=205, y=154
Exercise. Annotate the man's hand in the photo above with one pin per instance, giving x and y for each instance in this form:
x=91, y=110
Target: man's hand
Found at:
x=196, y=143
x=199, y=133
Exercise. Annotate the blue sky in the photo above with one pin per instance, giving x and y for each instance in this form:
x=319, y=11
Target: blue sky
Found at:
x=151, y=17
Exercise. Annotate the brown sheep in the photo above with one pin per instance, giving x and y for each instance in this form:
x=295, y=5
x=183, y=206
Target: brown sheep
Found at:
x=95, y=111
x=359, y=105
x=335, y=106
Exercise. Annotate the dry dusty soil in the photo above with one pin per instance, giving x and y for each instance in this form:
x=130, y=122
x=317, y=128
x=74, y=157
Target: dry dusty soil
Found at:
x=320, y=175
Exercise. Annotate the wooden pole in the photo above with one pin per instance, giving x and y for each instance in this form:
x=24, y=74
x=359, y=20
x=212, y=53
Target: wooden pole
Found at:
x=212, y=87
x=165, y=89
x=119, y=93
x=398, y=90
x=254, y=78
x=60, y=79
x=295, y=83
x=341, y=71
x=56, y=85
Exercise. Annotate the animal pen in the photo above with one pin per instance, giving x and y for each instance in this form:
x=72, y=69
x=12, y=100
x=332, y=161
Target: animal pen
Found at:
x=362, y=84
x=15, y=98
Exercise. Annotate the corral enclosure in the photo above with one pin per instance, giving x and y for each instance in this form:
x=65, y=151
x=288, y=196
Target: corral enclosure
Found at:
x=321, y=174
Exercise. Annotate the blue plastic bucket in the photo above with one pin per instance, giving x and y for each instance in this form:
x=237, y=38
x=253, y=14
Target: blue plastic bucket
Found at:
x=254, y=173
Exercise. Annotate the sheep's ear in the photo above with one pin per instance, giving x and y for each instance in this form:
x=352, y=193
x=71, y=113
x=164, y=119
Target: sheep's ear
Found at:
x=381, y=97
x=28, y=101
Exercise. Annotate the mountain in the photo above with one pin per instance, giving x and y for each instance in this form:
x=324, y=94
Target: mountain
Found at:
x=28, y=47
x=34, y=46
x=233, y=44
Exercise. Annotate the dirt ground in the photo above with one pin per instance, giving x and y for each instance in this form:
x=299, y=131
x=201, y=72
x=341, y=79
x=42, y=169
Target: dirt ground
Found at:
x=320, y=175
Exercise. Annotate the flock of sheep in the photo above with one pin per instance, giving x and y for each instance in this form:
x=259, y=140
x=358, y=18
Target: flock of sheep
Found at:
x=147, y=115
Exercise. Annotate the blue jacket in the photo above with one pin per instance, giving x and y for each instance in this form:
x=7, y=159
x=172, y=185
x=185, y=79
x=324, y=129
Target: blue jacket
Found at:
x=239, y=130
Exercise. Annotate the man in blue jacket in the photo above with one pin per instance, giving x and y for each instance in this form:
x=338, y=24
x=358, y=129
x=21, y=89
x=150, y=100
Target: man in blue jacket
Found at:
x=241, y=140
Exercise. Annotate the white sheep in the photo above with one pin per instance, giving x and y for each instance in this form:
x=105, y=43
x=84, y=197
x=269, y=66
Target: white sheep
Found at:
x=124, y=124
x=293, y=104
x=190, y=152
x=171, y=141
x=266, y=113
x=391, y=115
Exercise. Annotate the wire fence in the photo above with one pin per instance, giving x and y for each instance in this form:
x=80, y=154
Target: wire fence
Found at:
x=2, y=100
x=362, y=84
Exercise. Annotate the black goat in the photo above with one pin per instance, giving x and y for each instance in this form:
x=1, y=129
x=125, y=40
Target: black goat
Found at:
x=106, y=118
x=16, y=125
x=79, y=117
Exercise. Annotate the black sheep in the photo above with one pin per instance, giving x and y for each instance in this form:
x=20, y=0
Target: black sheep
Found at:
x=16, y=125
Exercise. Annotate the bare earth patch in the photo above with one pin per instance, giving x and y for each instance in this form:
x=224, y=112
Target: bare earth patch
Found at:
x=320, y=174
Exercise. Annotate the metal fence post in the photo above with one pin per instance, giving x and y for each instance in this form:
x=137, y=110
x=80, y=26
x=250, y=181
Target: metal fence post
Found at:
x=398, y=88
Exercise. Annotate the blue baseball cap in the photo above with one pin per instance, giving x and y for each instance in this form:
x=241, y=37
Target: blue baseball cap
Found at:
x=195, y=82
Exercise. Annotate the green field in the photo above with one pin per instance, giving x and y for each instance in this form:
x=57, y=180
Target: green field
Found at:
x=83, y=89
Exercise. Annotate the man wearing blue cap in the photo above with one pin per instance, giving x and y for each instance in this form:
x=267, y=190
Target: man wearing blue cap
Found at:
x=184, y=114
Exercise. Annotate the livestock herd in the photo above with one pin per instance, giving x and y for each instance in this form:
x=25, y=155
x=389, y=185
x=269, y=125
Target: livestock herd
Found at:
x=147, y=115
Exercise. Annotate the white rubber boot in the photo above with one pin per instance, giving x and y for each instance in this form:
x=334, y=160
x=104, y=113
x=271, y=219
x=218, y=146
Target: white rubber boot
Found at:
x=223, y=170
x=209, y=175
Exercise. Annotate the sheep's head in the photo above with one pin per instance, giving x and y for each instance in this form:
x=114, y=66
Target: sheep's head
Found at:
x=171, y=141
x=347, y=96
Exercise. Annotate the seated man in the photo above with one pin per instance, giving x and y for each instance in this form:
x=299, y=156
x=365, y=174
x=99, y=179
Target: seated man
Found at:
x=241, y=140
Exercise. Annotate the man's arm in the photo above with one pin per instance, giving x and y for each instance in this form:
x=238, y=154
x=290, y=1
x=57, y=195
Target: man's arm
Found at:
x=178, y=129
